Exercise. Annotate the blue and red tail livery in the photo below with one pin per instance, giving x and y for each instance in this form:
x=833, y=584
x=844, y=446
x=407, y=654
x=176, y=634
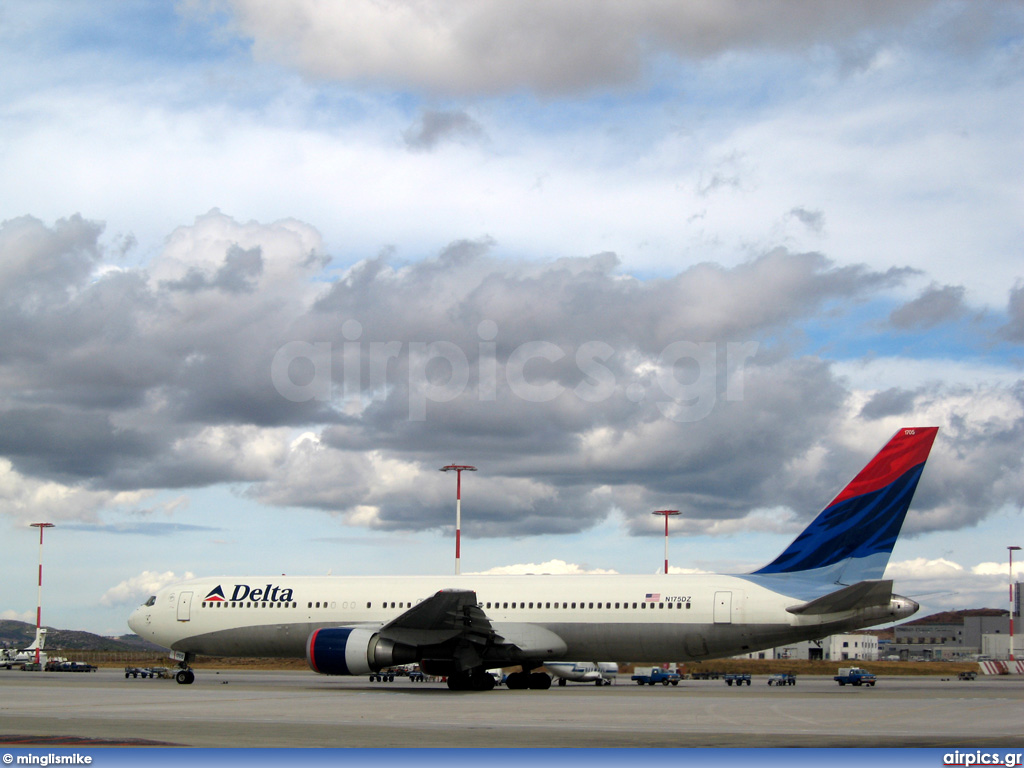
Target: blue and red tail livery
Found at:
x=852, y=538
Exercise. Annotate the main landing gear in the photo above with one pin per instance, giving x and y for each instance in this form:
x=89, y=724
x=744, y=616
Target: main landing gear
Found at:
x=471, y=680
x=185, y=675
x=519, y=681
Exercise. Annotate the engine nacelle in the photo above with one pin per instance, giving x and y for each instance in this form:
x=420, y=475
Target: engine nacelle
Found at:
x=354, y=651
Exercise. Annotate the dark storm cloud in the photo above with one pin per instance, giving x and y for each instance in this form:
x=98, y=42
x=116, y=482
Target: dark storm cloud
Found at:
x=573, y=386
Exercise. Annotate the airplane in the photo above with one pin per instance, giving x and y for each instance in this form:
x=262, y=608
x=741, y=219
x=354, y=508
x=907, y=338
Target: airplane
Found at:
x=827, y=581
x=601, y=673
x=32, y=654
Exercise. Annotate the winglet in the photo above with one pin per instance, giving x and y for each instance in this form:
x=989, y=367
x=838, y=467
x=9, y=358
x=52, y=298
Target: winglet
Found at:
x=852, y=538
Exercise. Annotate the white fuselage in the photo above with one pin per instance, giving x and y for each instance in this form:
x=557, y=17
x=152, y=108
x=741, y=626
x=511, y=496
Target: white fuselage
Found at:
x=657, y=617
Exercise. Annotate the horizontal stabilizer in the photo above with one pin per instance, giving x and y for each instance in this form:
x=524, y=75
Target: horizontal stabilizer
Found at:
x=863, y=594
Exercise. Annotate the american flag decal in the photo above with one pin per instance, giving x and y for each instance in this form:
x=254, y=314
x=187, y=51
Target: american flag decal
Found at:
x=652, y=597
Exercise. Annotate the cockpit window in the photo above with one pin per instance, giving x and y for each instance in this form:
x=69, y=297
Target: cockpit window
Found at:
x=151, y=601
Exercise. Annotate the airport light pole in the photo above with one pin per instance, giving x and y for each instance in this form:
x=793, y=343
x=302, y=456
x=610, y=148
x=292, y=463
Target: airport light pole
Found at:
x=459, y=469
x=667, y=513
x=39, y=600
x=1011, y=550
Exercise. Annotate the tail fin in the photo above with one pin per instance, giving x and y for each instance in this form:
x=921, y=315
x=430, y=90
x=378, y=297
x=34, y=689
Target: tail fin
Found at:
x=852, y=538
x=40, y=640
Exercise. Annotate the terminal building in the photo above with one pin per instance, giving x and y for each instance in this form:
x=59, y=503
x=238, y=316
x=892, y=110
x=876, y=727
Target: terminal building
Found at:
x=952, y=635
x=862, y=647
x=948, y=636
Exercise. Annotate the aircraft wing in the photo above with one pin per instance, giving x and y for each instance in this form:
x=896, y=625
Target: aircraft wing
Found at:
x=863, y=594
x=444, y=616
x=454, y=616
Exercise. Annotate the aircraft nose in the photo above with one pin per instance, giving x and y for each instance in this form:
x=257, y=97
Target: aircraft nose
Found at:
x=135, y=620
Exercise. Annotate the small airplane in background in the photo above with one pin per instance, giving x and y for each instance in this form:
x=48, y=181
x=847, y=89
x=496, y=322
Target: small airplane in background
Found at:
x=601, y=673
x=10, y=657
x=828, y=581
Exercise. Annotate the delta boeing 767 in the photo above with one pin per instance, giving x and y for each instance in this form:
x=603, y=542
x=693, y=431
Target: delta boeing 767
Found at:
x=829, y=580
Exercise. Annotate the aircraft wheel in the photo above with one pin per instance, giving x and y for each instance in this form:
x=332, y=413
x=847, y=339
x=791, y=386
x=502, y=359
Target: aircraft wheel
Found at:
x=539, y=681
x=561, y=681
x=483, y=681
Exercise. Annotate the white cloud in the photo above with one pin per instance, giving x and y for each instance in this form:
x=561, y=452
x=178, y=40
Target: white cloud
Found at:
x=553, y=567
x=491, y=46
x=11, y=615
x=138, y=588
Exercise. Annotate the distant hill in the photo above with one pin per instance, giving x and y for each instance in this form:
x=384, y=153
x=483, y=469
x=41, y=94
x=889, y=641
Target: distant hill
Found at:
x=956, y=617
x=20, y=634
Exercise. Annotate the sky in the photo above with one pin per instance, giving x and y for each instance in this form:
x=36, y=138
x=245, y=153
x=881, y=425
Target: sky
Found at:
x=265, y=268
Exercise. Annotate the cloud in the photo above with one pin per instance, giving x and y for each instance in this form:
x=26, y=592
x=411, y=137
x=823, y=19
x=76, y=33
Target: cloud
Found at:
x=137, y=588
x=813, y=220
x=237, y=357
x=553, y=567
x=436, y=127
x=489, y=46
x=944, y=584
x=12, y=615
x=935, y=305
x=1014, y=329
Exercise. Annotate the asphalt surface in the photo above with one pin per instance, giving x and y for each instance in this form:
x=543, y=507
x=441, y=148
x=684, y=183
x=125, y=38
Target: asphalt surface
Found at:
x=302, y=709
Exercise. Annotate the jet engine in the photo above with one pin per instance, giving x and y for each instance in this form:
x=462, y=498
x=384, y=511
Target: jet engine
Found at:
x=354, y=651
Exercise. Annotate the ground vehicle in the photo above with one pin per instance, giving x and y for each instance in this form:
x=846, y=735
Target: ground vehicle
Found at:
x=967, y=676
x=710, y=674
x=782, y=678
x=854, y=676
x=163, y=672
x=384, y=676
x=737, y=679
x=69, y=666
x=656, y=675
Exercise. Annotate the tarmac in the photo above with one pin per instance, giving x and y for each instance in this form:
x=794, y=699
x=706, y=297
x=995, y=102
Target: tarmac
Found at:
x=242, y=708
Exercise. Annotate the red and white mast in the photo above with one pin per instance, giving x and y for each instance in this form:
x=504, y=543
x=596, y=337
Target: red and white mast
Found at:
x=39, y=600
x=459, y=469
